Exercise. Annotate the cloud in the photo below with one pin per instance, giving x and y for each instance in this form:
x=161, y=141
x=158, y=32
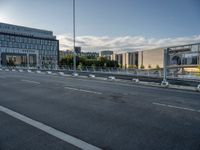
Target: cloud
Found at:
x=119, y=44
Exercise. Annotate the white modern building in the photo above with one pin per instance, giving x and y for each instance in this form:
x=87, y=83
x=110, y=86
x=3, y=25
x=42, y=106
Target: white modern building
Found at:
x=23, y=46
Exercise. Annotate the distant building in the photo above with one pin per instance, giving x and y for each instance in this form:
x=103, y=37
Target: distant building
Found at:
x=130, y=60
x=126, y=60
x=118, y=58
x=107, y=54
x=90, y=54
x=183, y=56
x=64, y=54
x=152, y=57
x=23, y=46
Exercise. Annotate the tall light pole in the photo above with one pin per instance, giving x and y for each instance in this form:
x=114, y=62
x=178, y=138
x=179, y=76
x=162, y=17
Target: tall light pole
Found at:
x=74, y=35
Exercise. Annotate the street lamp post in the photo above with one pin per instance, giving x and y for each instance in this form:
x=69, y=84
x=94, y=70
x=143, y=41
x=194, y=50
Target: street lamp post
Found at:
x=165, y=65
x=74, y=35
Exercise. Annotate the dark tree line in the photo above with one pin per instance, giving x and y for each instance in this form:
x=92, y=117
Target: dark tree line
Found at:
x=83, y=61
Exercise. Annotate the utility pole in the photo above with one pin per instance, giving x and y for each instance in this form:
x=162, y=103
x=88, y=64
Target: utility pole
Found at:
x=165, y=69
x=74, y=36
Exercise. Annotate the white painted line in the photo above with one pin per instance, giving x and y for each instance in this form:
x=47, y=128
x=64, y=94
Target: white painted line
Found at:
x=29, y=81
x=81, y=90
x=63, y=136
x=176, y=107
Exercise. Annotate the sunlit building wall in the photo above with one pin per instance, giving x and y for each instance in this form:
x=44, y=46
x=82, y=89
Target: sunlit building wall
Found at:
x=153, y=58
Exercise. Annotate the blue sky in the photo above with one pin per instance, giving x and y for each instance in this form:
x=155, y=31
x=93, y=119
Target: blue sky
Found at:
x=101, y=20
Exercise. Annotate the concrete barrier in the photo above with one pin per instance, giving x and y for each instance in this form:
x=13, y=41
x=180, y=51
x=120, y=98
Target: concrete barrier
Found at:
x=20, y=70
x=111, y=78
x=29, y=71
x=135, y=80
x=63, y=74
x=91, y=76
x=165, y=84
x=38, y=71
x=74, y=74
x=49, y=72
x=198, y=88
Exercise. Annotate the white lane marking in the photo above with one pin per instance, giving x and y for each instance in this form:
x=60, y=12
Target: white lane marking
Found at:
x=63, y=136
x=176, y=107
x=30, y=81
x=81, y=90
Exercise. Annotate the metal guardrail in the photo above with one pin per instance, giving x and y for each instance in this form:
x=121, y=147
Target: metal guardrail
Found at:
x=141, y=75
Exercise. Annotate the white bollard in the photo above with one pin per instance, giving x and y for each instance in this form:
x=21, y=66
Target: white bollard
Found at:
x=20, y=70
x=198, y=88
x=165, y=84
x=49, y=72
x=29, y=71
x=111, y=78
x=38, y=71
x=61, y=73
x=135, y=80
x=74, y=74
x=91, y=76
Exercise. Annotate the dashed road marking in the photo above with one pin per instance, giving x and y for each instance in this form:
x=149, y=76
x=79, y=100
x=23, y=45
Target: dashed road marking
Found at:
x=82, y=90
x=176, y=107
x=30, y=81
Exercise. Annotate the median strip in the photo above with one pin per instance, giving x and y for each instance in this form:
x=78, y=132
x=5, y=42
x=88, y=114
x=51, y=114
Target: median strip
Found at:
x=176, y=107
x=82, y=90
x=50, y=130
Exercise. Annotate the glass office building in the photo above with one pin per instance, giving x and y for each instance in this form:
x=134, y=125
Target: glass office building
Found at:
x=28, y=47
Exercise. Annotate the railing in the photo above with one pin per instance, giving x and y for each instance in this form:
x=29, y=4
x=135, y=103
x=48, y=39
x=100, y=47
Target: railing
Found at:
x=117, y=71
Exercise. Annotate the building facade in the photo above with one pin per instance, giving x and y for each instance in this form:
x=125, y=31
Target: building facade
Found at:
x=106, y=54
x=28, y=47
x=130, y=60
x=126, y=60
x=64, y=54
x=152, y=58
x=92, y=55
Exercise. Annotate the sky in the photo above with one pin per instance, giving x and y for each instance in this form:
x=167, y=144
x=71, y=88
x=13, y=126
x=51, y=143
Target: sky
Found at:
x=119, y=25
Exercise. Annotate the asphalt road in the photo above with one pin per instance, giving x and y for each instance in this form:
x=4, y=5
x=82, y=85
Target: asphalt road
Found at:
x=105, y=114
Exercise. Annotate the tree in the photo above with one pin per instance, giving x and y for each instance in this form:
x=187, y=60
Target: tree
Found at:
x=157, y=67
x=132, y=66
x=142, y=66
x=83, y=61
x=67, y=61
x=149, y=66
x=80, y=66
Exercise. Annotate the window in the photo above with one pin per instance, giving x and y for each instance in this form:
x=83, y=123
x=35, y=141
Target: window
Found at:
x=10, y=44
x=7, y=38
x=2, y=37
x=25, y=40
